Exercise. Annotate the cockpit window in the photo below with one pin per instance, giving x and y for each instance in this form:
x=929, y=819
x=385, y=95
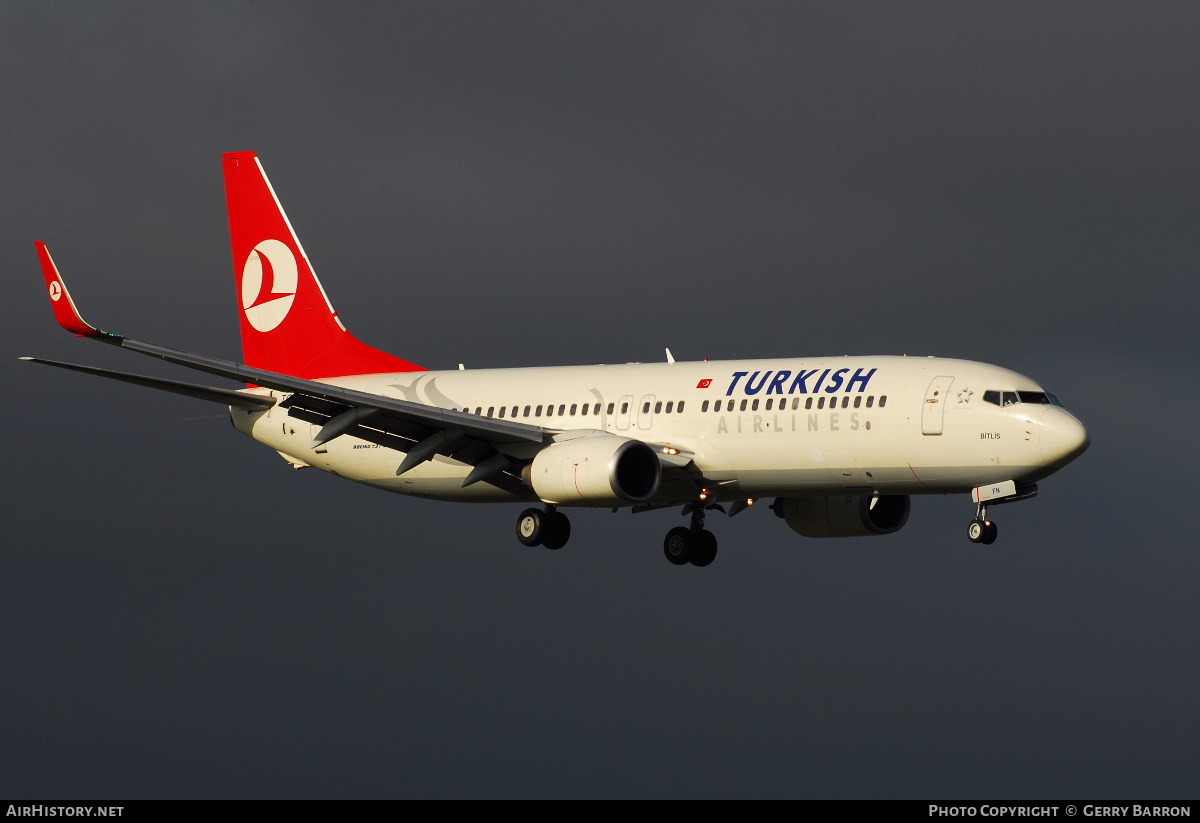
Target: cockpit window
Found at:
x=1010, y=398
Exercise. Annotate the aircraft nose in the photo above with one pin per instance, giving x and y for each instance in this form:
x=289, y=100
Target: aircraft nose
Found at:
x=1063, y=437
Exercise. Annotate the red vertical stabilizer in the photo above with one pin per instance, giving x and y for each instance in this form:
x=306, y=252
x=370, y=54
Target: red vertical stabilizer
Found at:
x=288, y=324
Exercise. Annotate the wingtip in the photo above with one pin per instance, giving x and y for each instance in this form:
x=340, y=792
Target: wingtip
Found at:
x=60, y=299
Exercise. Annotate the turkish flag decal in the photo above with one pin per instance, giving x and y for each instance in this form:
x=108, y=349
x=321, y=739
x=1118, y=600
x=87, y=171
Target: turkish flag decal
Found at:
x=704, y=384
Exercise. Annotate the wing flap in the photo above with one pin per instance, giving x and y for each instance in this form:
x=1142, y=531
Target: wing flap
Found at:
x=419, y=441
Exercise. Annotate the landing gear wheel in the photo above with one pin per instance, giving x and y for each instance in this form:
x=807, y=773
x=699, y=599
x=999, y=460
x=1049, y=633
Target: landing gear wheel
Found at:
x=982, y=531
x=556, y=531
x=706, y=548
x=679, y=545
x=531, y=527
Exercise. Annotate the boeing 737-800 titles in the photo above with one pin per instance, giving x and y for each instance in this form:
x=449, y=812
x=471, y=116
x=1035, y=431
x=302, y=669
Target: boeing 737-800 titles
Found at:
x=840, y=443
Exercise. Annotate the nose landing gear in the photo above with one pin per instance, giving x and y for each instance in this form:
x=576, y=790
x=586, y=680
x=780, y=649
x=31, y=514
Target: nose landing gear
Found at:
x=983, y=530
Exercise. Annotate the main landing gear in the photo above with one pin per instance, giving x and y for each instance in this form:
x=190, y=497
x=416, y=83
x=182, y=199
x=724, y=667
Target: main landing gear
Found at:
x=549, y=528
x=691, y=544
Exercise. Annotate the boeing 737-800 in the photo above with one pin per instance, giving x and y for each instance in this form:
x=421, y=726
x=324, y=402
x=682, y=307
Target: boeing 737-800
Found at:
x=840, y=443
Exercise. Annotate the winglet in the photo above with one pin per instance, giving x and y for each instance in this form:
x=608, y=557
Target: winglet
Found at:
x=60, y=299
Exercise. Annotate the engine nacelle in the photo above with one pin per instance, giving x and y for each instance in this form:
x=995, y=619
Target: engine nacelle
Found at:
x=844, y=515
x=596, y=470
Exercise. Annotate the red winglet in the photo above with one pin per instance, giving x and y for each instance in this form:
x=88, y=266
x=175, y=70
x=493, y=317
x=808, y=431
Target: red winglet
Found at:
x=60, y=299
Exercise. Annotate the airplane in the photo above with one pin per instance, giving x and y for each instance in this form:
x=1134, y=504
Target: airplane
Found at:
x=841, y=443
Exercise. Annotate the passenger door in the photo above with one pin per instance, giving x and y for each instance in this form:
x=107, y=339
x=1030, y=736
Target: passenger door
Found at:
x=934, y=408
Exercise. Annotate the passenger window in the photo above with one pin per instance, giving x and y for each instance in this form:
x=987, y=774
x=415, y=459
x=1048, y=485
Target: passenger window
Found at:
x=646, y=407
x=491, y=409
x=704, y=406
x=679, y=408
x=870, y=401
x=624, y=408
x=562, y=409
x=808, y=402
x=658, y=407
x=795, y=403
x=611, y=406
x=526, y=411
x=743, y=405
x=770, y=400
x=882, y=401
x=820, y=402
x=857, y=400
x=478, y=410
x=670, y=406
x=754, y=404
x=573, y=405
x=537, y=412
x=846, y=402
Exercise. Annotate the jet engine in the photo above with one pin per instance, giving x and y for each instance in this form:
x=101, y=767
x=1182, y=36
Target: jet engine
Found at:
x=597, y=470
x=844, y=515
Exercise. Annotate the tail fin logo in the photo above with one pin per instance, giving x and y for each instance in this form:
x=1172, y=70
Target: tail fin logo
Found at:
x=269, y=281
x=55, y=290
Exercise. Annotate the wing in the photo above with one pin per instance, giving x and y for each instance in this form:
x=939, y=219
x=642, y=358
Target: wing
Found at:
x=495, y=448
x=226, y=397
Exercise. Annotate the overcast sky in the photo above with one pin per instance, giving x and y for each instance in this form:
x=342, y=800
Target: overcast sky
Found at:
x=506, y=184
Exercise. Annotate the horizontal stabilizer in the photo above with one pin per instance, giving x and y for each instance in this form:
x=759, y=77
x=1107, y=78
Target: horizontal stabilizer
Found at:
x=226, y=397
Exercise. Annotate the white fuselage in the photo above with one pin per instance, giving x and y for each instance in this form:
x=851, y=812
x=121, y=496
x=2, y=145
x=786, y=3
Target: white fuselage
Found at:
x=757, y=428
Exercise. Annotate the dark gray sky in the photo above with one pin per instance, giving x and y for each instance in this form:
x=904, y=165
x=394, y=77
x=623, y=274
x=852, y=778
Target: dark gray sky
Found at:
x=502, y=184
